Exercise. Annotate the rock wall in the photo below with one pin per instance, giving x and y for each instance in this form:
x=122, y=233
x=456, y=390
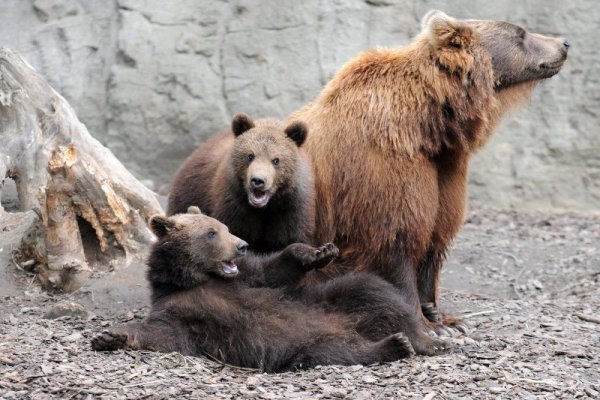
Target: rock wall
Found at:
x=152, y=79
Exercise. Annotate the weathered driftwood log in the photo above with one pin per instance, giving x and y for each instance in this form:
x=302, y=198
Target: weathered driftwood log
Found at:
x=91, y=210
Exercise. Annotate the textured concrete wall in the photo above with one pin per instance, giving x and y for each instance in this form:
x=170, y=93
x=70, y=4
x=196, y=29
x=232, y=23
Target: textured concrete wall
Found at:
x=152, y=79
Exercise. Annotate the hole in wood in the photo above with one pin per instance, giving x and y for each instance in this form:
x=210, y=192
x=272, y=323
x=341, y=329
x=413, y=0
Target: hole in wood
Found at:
x=94, y=255
x=9, y=195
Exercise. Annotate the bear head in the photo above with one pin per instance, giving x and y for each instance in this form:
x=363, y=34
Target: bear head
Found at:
x=516, y=56
x=265, y=156
x=192, y=248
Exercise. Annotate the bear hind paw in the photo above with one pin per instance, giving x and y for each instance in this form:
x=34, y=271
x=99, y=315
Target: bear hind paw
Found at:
x=401, y=345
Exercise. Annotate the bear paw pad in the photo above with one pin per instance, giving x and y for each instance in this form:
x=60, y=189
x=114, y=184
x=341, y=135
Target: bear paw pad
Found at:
x=322, y=256
x=109, y=341
x=401, y=345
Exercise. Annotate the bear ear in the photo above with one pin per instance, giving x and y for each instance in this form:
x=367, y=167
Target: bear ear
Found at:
x=194, y=210
x=241, y=123
x=445, y=31
x=161, y=225
x=297, y=131
x=433, y=17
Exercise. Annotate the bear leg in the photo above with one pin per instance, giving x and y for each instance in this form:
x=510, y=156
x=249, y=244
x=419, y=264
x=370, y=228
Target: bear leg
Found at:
x=351, y=349
x=428, y=286
x=377, y=308
x=286, y=268
x=428, y=277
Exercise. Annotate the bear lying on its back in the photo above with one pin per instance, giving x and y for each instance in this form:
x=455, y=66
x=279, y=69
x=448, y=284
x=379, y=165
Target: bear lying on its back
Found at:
x=201, y=306
x=255, y=179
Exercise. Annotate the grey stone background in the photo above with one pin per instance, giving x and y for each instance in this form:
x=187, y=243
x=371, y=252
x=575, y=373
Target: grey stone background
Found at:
x=152, y=79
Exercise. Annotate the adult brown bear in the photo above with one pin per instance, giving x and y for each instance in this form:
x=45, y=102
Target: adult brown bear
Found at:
x=391, y=137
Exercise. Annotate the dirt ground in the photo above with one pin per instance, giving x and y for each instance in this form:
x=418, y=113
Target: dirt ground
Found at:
x=528, y=284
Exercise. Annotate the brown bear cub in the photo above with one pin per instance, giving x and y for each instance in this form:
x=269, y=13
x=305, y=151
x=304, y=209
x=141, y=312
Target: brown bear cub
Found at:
x=202, y=306
x=230, y=163
x=391, y=136
x=255, y=179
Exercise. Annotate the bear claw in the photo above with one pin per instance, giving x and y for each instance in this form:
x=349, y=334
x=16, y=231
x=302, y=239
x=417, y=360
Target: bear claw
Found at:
x=432, y=347
x=442, y=325
x=446, y=331
x=324, y=255
x=462, y=328
x=442, y=346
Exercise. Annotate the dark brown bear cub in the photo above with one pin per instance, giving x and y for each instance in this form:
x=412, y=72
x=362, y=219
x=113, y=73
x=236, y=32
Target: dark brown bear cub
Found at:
x=255, y=179
x=201, y=306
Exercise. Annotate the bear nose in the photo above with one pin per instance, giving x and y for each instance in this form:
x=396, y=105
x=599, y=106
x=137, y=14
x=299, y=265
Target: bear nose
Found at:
x=242, y=247
x=566, y=43
x=257, y=183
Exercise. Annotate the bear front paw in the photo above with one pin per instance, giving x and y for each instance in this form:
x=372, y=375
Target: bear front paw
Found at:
x=109, y=341
x=323, y=255
x=319, y=257
x=309, y=257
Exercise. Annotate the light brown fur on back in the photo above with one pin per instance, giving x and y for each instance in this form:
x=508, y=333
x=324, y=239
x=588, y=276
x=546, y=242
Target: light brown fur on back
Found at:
x=392, y=133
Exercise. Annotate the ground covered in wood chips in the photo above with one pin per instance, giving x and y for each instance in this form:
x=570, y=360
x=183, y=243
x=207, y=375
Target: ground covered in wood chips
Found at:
x=528, y=284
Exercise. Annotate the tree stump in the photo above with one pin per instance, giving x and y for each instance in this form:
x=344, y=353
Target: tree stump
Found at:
x=89, y=210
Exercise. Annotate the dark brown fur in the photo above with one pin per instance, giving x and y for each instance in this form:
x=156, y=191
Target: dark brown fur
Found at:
x=391, y=137
x=383, y=309
x=375, y=305
x=199, y=309
x=217, y=178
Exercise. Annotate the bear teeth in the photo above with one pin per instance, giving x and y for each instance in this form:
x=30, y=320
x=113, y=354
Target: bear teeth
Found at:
x=258, y=198
x=229, y=267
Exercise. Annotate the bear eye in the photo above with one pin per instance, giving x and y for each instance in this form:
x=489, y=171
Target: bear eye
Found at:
x=275, y=161
x=250, y=157
x=212, y=234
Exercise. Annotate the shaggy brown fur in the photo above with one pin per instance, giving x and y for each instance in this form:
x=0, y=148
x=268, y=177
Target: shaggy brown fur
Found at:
x=255, y=179
x=391, y=136
x=199, y=306
x=384, y=311
x=377, y=308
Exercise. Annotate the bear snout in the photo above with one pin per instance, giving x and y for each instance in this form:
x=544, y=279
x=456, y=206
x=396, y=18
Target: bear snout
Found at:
x=242, y=247
x=564, y=46
x=260, y=174
x=257, y=182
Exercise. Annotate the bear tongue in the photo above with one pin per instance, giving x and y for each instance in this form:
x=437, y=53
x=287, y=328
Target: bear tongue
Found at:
x=259, y=197
x=229, y=267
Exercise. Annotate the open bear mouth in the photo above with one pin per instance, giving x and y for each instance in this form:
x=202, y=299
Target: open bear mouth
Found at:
x=258, y=198
x=229, y=268
x=551, y=66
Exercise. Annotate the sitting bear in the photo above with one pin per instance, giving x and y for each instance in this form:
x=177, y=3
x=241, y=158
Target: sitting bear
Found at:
x=255, y=179
x=392, y=135
x=201, y=305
